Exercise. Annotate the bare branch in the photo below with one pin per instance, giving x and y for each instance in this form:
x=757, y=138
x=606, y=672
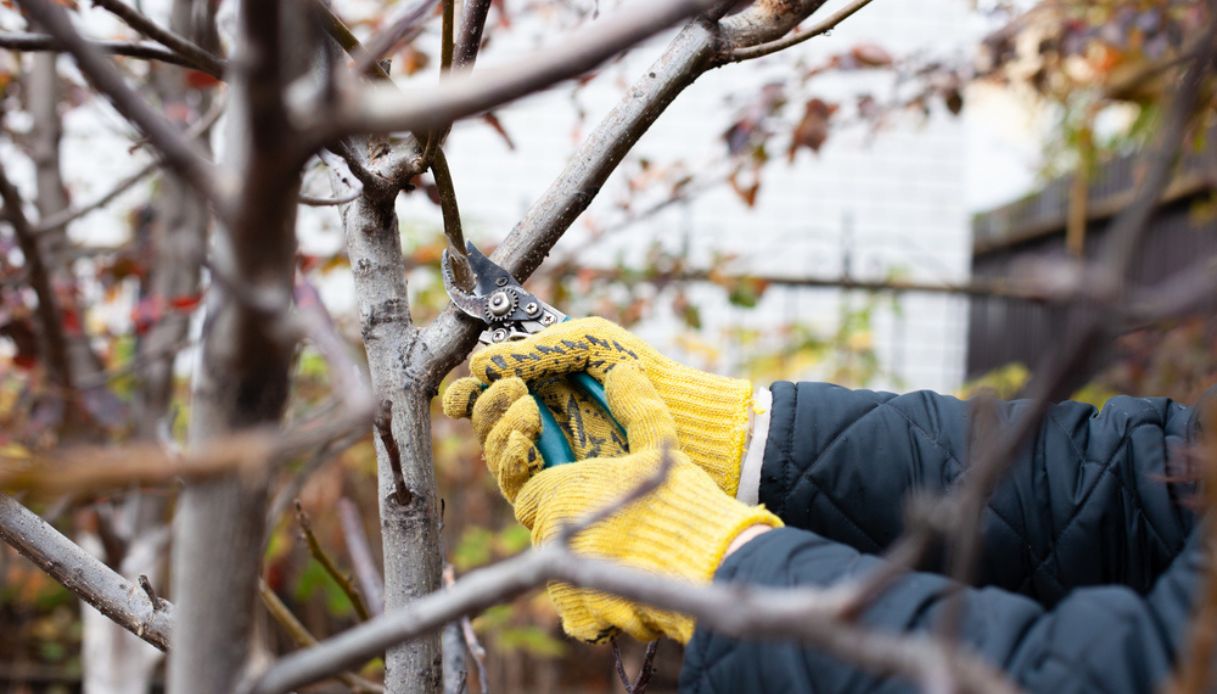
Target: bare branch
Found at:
x=38, y=43
x=452, y=334
x=318, y=552
x=49, y=318
x=68, y=215
x=403, y=28
x=197, y=55
x=822, y=27
x=469, y=42
x=311, y=201
x=386, y=109
x=452, y=216
x=71, y=214
x=180, y=154
x=1091, y=323
x=84, y=575
x=370, y=581
x=384, y=429
x=809, y=615
x=303, y=637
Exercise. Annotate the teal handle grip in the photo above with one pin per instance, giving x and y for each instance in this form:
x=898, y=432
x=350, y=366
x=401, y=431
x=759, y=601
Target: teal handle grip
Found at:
x=554, y=448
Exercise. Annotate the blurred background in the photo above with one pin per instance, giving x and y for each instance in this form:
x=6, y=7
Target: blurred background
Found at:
x=841, y=211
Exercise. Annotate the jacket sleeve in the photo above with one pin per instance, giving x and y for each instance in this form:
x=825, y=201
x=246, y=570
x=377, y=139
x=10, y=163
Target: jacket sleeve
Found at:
x=1099, y=639
x=1090, y=500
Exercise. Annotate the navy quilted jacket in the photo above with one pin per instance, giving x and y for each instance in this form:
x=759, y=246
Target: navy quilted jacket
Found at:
x=1091, y=553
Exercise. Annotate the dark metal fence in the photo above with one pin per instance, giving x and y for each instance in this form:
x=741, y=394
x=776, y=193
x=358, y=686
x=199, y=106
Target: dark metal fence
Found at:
x=1010, y=239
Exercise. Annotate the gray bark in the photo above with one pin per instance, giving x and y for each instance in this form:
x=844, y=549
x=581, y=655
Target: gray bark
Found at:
x=95, y=583
x=410, y=530
x=242, y=378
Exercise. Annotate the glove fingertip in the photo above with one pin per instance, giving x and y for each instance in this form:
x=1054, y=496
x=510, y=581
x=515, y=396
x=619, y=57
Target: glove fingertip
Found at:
x=460, y=397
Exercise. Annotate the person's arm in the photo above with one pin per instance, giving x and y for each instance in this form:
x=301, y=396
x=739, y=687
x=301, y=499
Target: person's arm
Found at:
x=1091, y=499
x=1102, y=639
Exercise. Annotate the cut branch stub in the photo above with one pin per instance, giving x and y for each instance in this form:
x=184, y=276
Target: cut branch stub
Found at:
x=384, y=429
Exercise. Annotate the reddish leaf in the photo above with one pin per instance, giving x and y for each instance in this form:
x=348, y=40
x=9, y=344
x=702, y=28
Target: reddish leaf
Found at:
x=200, y=80
x=493, y=121
x=21, y=332
x=812, y=130
x=870, y=55
x=747, y=193
x=186, y=302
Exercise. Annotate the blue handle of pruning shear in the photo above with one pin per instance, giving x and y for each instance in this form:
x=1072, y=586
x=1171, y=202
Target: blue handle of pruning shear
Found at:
x=554, y=448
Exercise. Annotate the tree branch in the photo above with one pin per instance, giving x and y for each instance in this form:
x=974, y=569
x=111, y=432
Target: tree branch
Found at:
x=180, y=155
x=384, y=109
x=690, y=53
x=40, y=43
x=469, y=42
x=50, y=319
x=318, y=552
x=303, y=637
x=198, y=57
x=808, y=615
x=407, y=24
x=822, y=27
x=84, y=575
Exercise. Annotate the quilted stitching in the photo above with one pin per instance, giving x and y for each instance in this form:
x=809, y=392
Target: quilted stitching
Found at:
x=804, y=478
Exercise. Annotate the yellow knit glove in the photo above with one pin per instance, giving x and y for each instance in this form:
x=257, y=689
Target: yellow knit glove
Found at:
x=711, y=412
x=681, y=529
x=587, y=428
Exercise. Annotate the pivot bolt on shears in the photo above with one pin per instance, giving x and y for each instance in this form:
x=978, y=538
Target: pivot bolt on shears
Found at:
x=511, y=312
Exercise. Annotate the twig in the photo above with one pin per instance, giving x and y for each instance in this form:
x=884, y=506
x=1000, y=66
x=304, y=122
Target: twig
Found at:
x=435, y=138
x=808, y=615
x=311, y=201
x=319, y=553
x=41, y=43
x=360, y=551
x=451, y=213
x=291, y=489
x=648, y=485
x=49, y=319
x=198, y=56
x=384, y=429
x=84, y=575
x=473, y=22
x=406, y=26
x=822, y=27
x=180, y=154
x=303, y=638
x=1092, y=323
x=73, y=213
x=647, y=670
x=470, y=637
x=157, y=603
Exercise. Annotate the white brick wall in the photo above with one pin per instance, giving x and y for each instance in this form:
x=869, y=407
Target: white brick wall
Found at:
x=903, y=190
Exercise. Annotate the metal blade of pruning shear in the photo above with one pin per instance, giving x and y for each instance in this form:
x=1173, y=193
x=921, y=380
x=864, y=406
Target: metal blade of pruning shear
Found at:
x=509, y=311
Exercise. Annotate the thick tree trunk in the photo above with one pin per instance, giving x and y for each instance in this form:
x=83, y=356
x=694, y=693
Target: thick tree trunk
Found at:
x=242, y=380
x=410, y=525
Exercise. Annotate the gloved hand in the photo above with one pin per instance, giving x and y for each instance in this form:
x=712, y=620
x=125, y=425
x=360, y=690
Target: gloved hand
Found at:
x=588, y=429
x=682, y=529
x=711, y=412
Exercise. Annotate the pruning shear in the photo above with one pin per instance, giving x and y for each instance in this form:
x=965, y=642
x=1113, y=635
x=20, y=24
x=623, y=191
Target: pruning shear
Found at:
x=511, y=312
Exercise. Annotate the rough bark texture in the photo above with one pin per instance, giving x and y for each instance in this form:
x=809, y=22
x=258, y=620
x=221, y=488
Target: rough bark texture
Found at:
x=79, y=572
x=409, y=531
